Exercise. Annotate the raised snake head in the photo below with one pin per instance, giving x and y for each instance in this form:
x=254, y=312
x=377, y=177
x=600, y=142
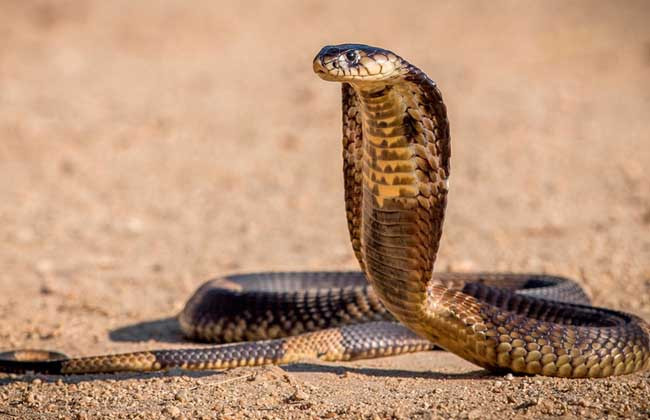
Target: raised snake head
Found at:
x=358, y=63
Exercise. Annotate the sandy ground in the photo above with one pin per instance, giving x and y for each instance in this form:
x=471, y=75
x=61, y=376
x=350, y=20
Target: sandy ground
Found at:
x=148, y=146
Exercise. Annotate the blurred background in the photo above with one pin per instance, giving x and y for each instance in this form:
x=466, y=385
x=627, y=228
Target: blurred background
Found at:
x=147, y=146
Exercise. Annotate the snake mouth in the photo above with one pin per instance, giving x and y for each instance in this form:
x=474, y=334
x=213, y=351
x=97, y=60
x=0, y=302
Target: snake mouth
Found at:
x=320, y=69
x=29, y=355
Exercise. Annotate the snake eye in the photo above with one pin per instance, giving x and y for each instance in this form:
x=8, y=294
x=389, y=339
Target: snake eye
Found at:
x=351, y=56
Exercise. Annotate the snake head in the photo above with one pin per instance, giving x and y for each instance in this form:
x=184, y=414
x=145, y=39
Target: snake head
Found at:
x=357, y=63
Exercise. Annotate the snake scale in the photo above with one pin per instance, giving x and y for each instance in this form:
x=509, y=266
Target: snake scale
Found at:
x=396, y=153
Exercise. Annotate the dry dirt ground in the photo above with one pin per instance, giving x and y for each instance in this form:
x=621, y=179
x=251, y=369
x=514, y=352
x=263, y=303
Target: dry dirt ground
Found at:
x=148, y=146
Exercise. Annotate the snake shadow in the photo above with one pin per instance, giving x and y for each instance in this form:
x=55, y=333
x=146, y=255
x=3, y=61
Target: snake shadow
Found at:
x=221, y=377
x=164, y=330
x=386, y=372
x=28, y=378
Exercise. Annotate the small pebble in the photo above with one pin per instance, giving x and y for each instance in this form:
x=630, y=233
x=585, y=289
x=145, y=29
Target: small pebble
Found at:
x=46, y=289
x=181, y=396
x=299, y=395
x=30, y=398
x=172, y=411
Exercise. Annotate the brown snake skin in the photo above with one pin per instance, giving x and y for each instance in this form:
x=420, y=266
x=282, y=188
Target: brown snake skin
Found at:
x=396, y=152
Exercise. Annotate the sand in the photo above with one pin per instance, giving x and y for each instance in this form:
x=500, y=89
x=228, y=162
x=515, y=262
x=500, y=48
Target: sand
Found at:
x=148, y=146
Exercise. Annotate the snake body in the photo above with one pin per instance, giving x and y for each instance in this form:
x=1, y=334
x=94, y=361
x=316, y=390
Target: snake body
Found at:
x=396, y=153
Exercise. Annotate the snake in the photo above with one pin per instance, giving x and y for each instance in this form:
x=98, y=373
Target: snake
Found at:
x=396, y=166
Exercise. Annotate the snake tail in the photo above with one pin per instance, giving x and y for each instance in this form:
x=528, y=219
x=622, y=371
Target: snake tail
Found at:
x=351, y=342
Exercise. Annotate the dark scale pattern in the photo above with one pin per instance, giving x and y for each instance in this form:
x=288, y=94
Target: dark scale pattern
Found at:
x=273, y=305
x=380, y=339
x=543, y=309
x=560, y=289
x=352, y=168
x=228, y=355
x=431, y=101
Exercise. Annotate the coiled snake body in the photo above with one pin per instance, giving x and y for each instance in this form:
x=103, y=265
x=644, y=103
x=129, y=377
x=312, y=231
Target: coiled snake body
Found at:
x=396, y=151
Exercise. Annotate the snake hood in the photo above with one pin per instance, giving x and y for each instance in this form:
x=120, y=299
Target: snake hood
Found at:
x=357, y=63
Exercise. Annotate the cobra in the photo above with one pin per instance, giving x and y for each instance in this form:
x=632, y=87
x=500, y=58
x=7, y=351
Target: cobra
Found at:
x=396, y=156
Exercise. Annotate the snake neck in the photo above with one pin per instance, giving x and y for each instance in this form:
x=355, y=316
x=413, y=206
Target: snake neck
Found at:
x=401, y=210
